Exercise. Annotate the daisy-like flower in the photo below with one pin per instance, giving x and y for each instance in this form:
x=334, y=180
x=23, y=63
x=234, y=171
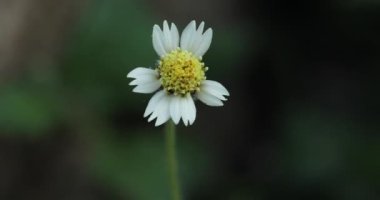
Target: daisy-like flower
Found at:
x=179, y=76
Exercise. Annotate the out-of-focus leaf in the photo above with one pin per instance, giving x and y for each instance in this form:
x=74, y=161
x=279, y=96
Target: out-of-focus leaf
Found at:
x=26, y=110
x=136, y=166
x=112, y=38
x=315, y=148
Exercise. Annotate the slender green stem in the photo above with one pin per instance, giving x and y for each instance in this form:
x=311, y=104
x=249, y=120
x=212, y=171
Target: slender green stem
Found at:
x=172, y=161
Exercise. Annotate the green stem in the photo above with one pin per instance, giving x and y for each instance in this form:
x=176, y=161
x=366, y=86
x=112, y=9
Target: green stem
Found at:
x=172, y=161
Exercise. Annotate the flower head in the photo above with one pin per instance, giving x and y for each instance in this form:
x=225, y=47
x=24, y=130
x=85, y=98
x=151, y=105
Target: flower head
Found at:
x=179, y=76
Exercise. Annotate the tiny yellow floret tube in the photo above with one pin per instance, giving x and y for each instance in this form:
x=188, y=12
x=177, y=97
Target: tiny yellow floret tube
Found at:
x=181, y=72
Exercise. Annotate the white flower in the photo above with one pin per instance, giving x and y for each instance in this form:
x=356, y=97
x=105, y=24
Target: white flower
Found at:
x=179, y=75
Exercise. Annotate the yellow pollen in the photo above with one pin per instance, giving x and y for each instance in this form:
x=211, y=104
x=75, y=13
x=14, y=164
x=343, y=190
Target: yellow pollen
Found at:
x=181, y=72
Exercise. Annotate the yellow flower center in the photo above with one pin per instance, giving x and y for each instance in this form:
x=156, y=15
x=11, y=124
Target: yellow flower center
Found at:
x=181, y=72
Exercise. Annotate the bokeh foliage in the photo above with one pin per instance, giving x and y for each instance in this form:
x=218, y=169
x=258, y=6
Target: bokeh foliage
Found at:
x=301, y=123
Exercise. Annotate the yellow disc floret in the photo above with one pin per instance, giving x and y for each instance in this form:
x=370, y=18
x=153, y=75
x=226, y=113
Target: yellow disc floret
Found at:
x=181, y=72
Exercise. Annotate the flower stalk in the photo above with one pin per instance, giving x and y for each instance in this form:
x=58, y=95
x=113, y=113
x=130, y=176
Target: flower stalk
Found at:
x=172, y=161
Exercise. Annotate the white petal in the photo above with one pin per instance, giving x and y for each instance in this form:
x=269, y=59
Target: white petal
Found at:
x=216, y=85
x=184, y=111
x=158, y=107
x=187, y=110
x=143, y=79
x=175, y=36
x=205, y=43
x=201, y=27
x=208, y=99
x=157, y=38
x=192, y=112
x=161, y=111
x=214, y=91
x=147, y=87
x=197, y=38
x=175, y=111
x=164, y=114
x=153, y=102
x=167, y=37
x=139, y=71
x=187, y=35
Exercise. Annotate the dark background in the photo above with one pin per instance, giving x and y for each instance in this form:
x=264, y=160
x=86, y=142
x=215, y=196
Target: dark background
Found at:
x=302, y=121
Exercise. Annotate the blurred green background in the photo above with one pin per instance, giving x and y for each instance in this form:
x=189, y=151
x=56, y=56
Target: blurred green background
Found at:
x=302, y=121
